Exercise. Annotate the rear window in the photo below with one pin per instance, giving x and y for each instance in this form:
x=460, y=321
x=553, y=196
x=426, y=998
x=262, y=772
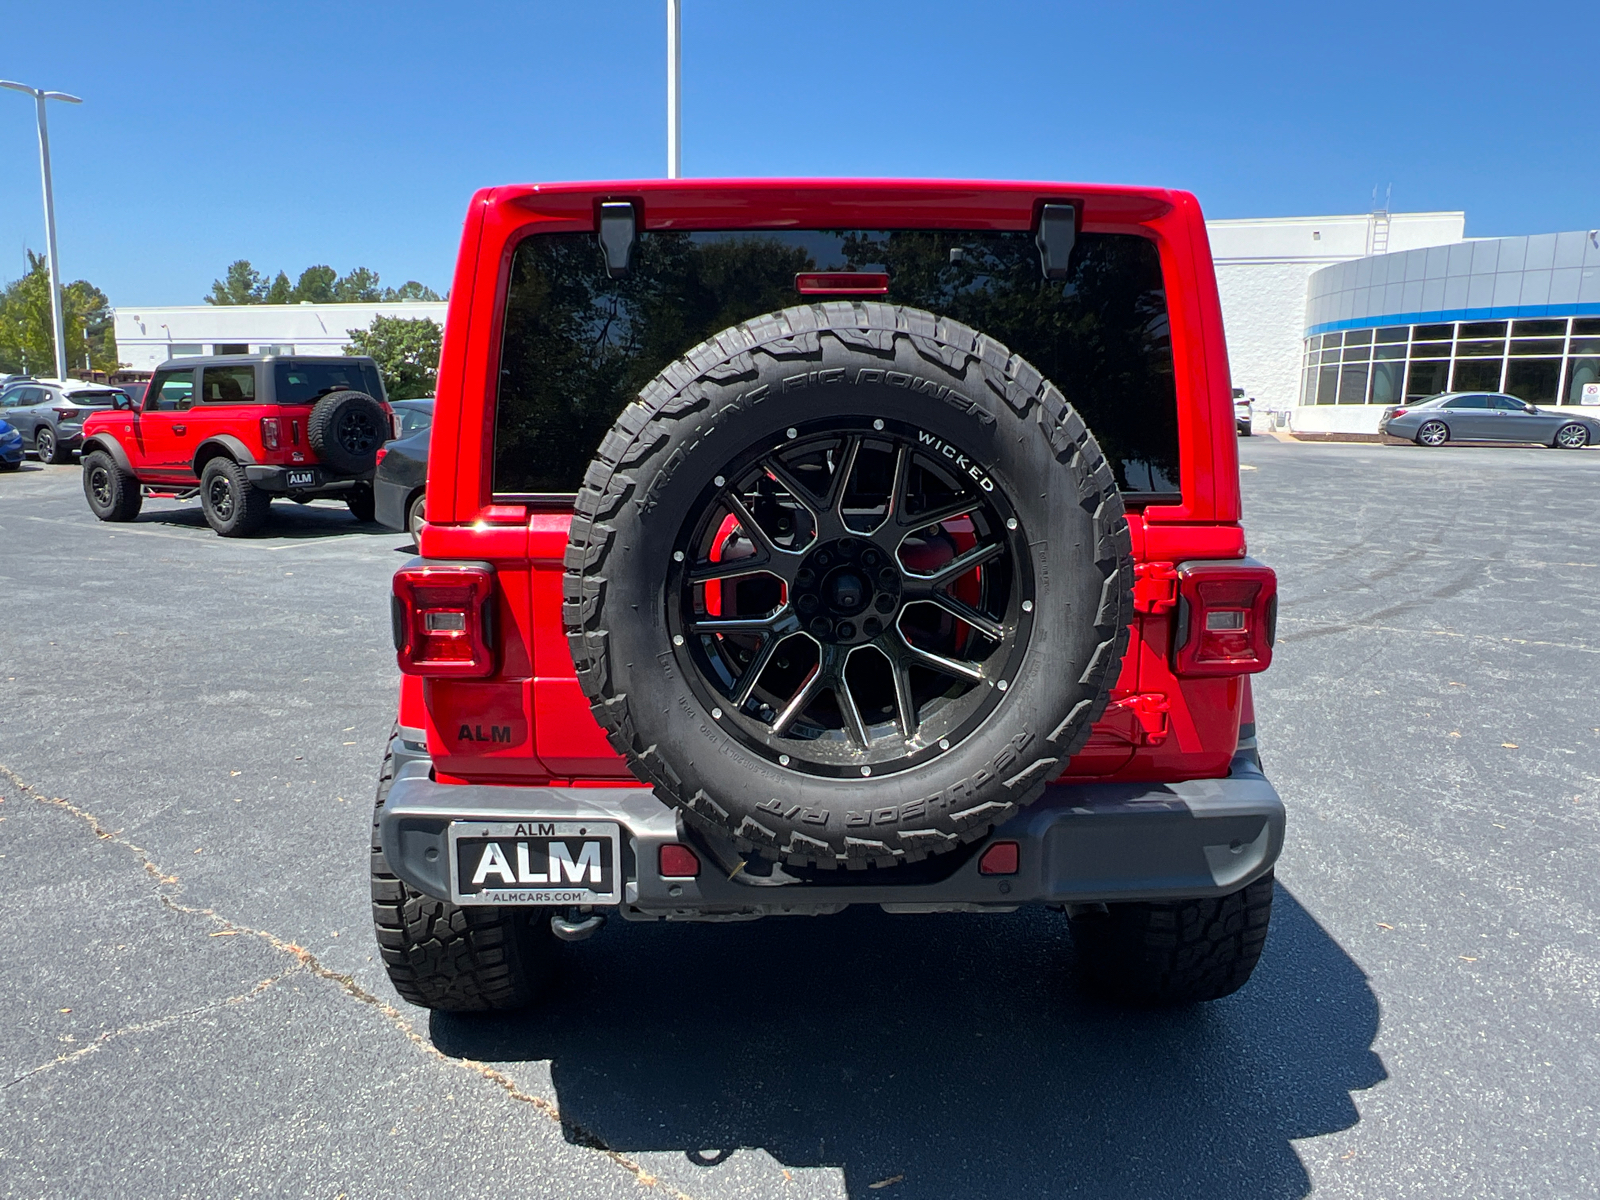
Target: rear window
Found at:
x=578, y=345
x=304, y=382
x=96, y=397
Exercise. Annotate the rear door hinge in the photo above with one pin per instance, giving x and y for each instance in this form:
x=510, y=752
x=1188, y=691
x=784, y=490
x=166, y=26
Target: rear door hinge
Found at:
x=1150, y=709
x=1155, y=587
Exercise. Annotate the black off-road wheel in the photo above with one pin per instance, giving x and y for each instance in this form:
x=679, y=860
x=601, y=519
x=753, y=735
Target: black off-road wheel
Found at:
x=113, y=493
x=233, y=506
x=1175, y=952
x=361, y=503
x=346, y=429
x=454, y=959
x=848, y=583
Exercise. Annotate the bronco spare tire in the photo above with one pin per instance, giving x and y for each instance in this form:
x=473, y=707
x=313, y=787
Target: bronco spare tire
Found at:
x=848, y=582
x=346, y=429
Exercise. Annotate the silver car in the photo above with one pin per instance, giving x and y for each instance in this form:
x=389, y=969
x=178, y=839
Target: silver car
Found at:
x=49, y=413
x=1488, y=417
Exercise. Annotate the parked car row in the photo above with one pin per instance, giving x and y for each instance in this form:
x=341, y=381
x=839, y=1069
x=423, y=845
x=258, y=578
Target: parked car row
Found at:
x=49, y=413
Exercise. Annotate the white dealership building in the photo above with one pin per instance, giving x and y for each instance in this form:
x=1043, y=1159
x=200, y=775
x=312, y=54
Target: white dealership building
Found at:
x=1329, y=319
x=148, y=336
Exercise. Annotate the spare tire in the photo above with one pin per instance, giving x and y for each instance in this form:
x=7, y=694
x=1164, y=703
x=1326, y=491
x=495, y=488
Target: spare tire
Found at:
x=346, y=429
x=849, y=583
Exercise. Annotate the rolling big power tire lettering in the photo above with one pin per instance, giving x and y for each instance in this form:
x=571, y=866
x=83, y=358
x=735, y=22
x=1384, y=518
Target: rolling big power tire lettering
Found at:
x=1021, y=492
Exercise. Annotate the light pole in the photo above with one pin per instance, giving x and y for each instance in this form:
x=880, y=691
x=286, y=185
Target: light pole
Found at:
x=39, y=98
x=674, y=98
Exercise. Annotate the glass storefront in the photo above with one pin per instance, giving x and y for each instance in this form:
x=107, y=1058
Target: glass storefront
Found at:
x=1543, y=361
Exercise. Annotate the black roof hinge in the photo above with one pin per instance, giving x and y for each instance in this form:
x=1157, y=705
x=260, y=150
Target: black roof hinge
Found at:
x=616, y=234
x=1058, y=229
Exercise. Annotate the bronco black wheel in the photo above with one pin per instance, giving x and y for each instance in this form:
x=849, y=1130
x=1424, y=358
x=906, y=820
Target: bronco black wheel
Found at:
x=233, y=506
x=852, y=605
x=849, y=584
x=113, y=493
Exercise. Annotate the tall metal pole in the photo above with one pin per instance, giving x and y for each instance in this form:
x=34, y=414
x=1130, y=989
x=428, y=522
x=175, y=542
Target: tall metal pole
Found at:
x=56, y=322
x=674, y=96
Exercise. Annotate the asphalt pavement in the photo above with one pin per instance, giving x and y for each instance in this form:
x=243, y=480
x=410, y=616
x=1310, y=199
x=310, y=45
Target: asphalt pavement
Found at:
x=189, y=731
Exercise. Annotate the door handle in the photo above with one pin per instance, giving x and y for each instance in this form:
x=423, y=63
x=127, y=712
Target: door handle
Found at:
x=180, y=429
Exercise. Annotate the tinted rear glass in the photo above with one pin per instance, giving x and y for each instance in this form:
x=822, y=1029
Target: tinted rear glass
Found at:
x=579, y=345
x=303, y=382
x=96, y=398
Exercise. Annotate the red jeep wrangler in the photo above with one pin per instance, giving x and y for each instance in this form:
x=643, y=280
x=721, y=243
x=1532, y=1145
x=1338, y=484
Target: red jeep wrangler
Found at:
x=237, y=431
x=793, y=545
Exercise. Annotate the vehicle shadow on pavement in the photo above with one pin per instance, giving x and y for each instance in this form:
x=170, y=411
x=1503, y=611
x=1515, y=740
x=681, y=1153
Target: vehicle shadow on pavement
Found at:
x=954, y=1052
x=288, y=521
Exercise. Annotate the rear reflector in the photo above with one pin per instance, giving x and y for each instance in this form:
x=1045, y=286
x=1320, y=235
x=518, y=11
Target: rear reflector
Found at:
x=382, y=452
x=999, y=859
x=1227, y=613
x=841, y=283
x=679, y=862
x=444, y=620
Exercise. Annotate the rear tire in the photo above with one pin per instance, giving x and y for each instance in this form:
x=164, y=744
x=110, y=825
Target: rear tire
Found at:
x=1433, y=433
x=233, y=506
x=47, y=448
x=113, y=493
x=362, y=506
x=454, y=959
x=1174, y=952
x=415, y=518
x=1571, y=437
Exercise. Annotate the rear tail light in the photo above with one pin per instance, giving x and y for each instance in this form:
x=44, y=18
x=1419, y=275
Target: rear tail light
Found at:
x=999, y=859
x=70, y=414
x=382, y=452
x=269, y=432
x=1227, y=618
x=444, y=620
x=1398, y=412
x=678, y=862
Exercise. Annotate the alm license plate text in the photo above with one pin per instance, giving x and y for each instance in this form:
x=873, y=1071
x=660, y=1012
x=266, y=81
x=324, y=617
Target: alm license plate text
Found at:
x=302, y=479
x=535, y=862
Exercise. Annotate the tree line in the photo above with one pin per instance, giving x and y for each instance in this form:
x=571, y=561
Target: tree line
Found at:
x=27, y=341
x=321, y=284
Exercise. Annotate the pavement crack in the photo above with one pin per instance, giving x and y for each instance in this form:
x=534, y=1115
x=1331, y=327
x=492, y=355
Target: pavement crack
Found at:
x=169, y=888
x=150, y=1026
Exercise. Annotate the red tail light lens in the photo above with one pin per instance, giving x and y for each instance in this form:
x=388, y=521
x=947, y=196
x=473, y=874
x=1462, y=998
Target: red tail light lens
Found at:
x=382, y=453
x=678, y=862
x=444, y=620
x=269, y=432
x=1227, y=617
x=841, y=283
x=1398, y=412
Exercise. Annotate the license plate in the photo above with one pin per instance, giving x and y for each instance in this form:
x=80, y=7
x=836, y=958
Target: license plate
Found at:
x=535, y=862
x=302, y=478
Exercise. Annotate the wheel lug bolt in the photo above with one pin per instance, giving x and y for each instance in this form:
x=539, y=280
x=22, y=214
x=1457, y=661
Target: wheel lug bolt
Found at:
x=846, y=630
x=821, y=626
x=807, y=603
x=847, y=546
x=889, y=577
x=885, y=604
x=870, y=558
x=823, y=559
x=872, y=626
x=805, y=578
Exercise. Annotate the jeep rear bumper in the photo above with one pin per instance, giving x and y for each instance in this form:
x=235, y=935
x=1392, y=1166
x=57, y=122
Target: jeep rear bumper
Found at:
x=1078, y=844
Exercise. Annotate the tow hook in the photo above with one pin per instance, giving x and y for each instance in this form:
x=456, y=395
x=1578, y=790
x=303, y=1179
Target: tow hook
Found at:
x=574, y=926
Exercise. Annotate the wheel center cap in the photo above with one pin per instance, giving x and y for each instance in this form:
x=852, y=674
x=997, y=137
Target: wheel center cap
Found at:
x=847, y=591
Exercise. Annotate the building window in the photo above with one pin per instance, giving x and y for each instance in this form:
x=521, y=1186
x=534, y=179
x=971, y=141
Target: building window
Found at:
x=275, y=349
x=231, y=348
x=1536, y=380
x=185, y=349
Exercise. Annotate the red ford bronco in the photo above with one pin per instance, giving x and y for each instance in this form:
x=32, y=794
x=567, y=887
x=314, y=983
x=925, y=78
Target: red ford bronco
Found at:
x=237, y=431
x=799, y=544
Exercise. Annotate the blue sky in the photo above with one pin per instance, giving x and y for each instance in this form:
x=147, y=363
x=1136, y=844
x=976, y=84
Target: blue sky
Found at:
x=353, y=134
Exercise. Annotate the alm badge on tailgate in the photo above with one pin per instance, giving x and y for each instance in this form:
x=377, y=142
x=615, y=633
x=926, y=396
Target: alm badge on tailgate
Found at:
x=535, y=862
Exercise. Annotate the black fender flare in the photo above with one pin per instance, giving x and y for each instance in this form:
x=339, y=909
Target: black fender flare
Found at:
x=222, y=445
x=108, y=443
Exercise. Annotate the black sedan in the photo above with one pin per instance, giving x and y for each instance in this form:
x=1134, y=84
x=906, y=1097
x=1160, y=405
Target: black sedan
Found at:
x=397, y=488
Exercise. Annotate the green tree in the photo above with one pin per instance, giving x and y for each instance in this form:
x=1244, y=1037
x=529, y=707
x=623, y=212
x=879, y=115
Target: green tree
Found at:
x=410, y=290
x=407, y=353
x=359, y=286
x=315, y=284
x=241, y=285
x=280, y=291
x=26, y=340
